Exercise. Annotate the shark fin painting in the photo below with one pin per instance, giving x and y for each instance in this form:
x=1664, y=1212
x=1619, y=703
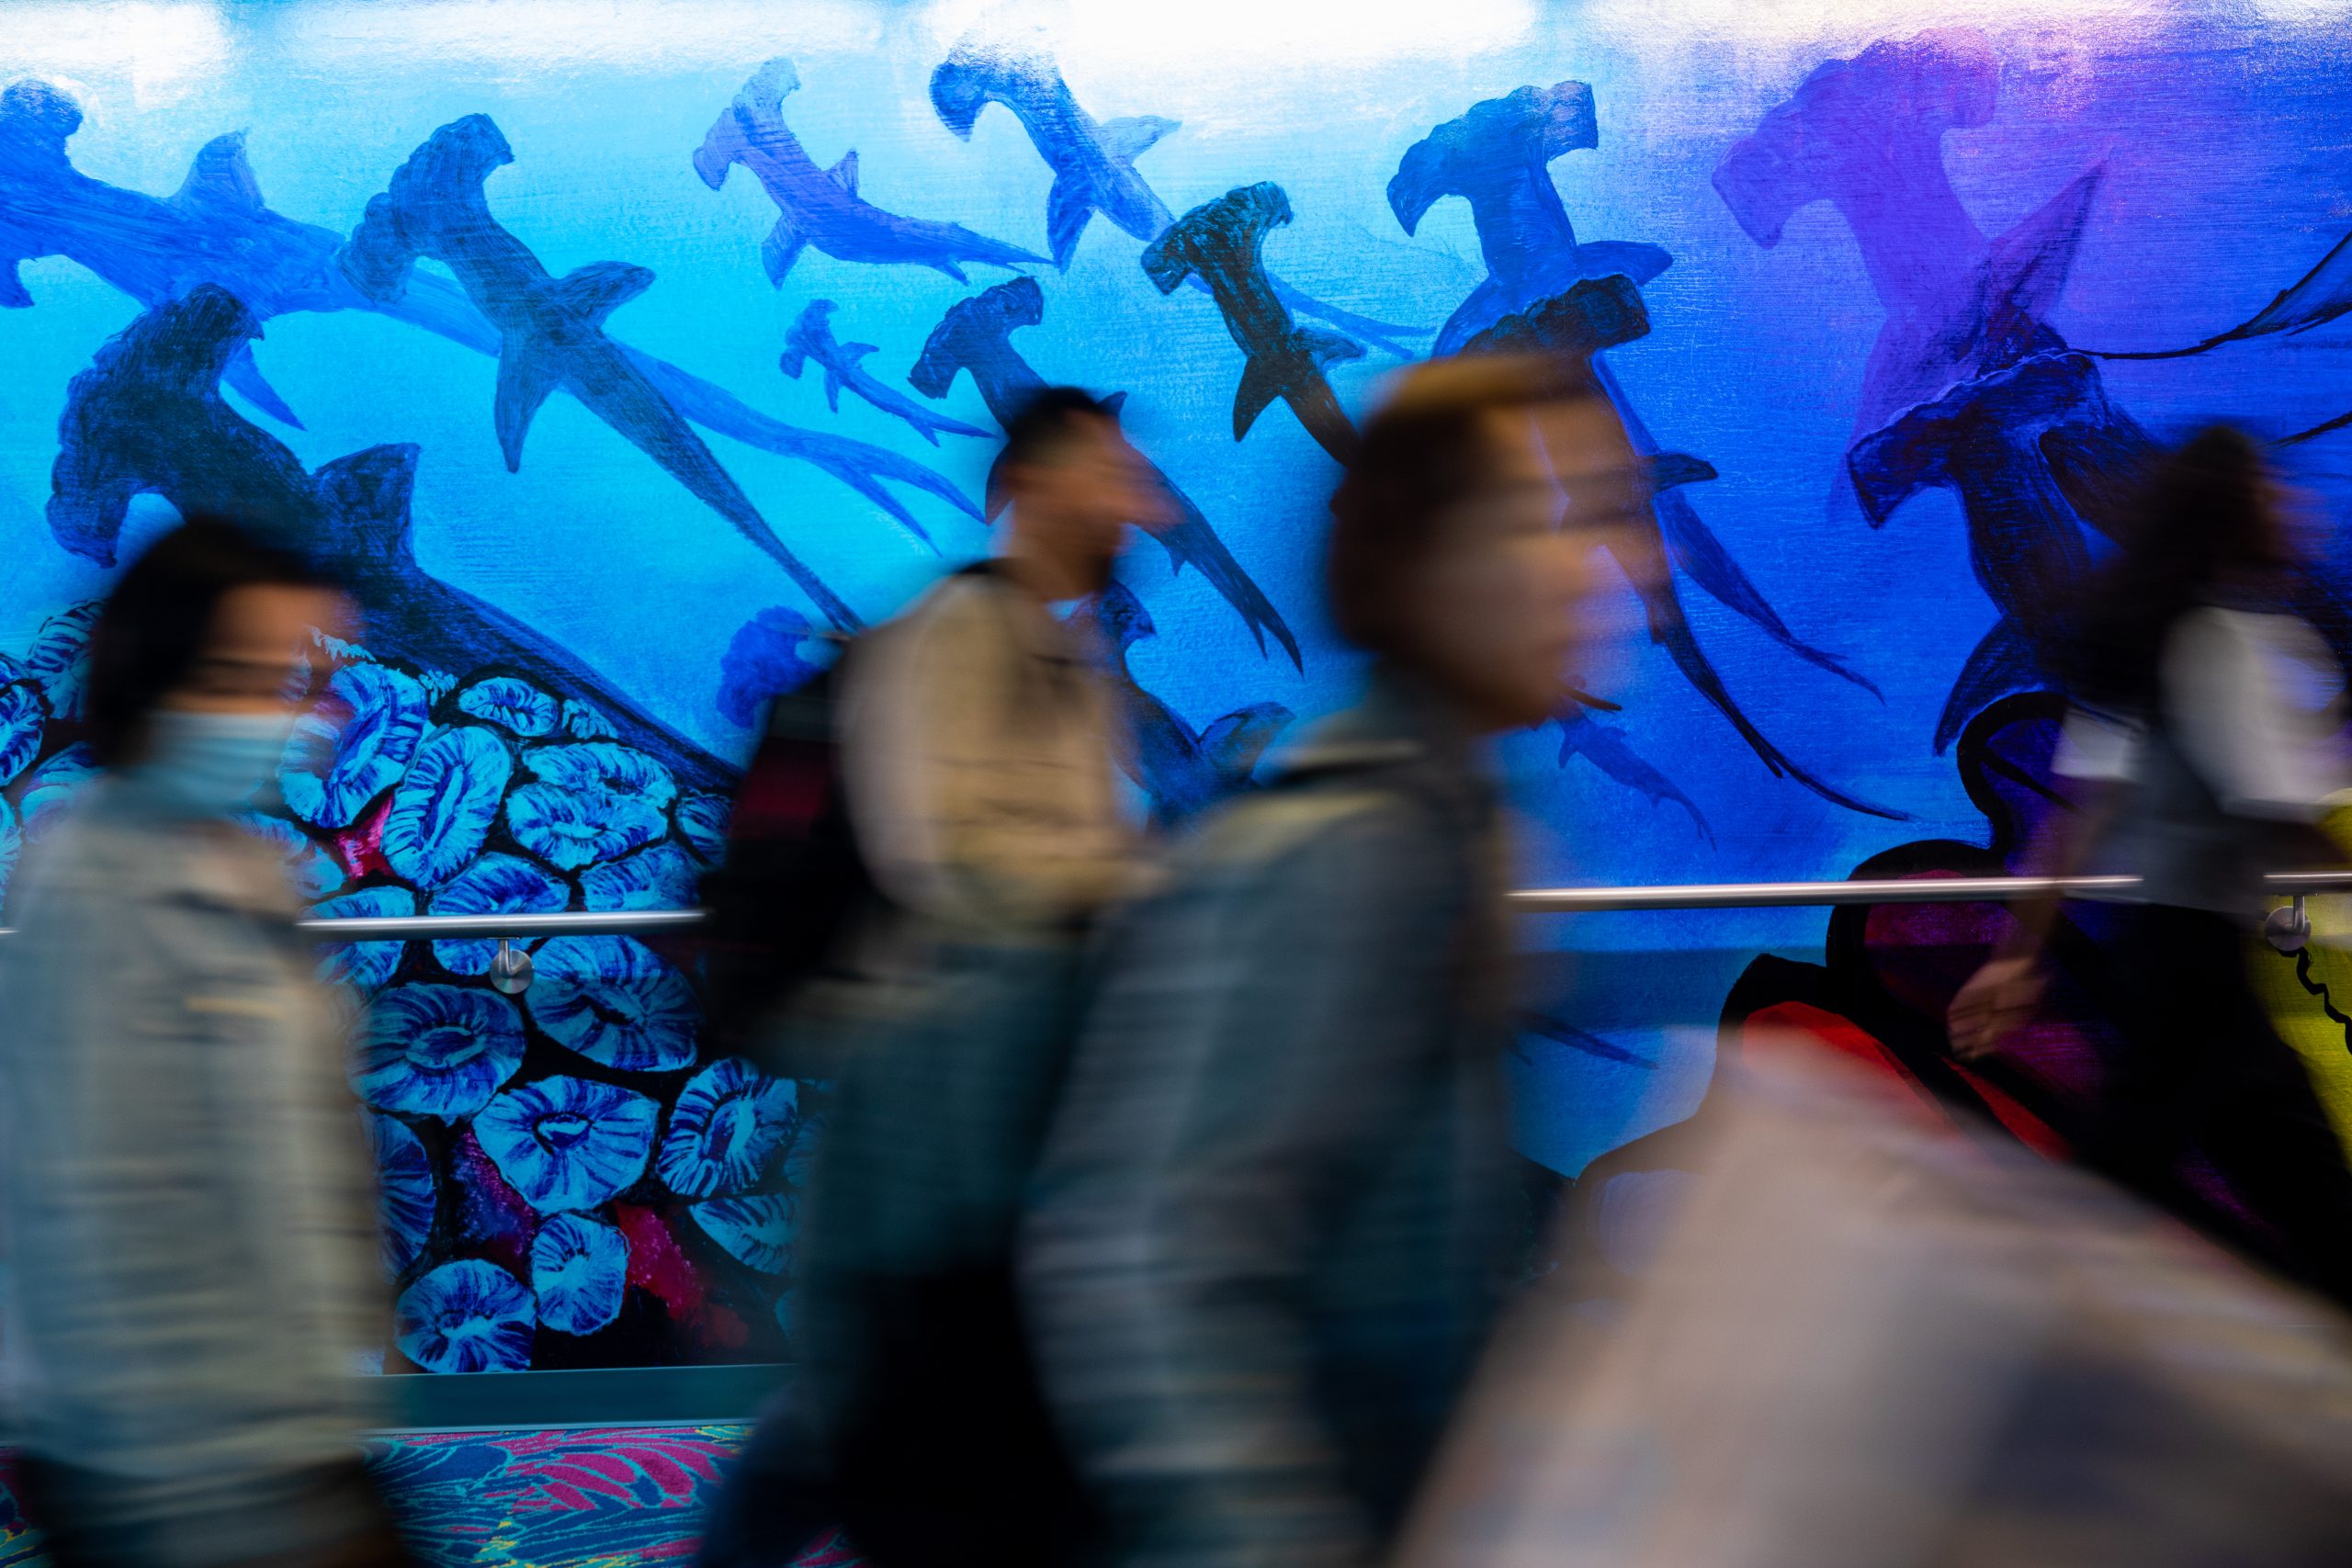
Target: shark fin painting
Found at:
x=821, y=206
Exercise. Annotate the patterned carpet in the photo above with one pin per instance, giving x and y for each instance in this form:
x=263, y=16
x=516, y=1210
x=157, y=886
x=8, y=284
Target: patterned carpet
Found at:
x=569, y=1498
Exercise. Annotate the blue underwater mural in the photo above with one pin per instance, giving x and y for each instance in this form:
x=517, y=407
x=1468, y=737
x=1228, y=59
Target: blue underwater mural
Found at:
x=1895, y=305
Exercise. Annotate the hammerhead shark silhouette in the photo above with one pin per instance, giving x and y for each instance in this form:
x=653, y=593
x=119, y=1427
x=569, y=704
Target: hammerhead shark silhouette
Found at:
x=218, y=230
x=821, y=206
x=1093, y=161
x=811, y=339
x=551, y=330
x=976, y=337
x=148, y=418
x=1221, y=242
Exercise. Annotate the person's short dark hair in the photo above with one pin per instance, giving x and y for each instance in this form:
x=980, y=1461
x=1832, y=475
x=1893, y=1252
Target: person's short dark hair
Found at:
x=153, y=627
x=1049, y=420
x=1424, y=451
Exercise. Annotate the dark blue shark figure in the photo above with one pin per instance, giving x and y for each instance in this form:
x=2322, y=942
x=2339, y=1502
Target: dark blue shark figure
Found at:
x=1093, y=161
x=1581, y=734
x=821, y=206
x=551, y=330
x=811, y=338
x=218, y=230
x=148, y=418
x=1181, y=769
x=976, y=337
x=1992, y=442
x=1221, y=242
x=1497, y=158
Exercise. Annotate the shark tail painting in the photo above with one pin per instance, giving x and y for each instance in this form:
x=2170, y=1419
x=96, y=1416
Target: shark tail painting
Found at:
x=2320, y=296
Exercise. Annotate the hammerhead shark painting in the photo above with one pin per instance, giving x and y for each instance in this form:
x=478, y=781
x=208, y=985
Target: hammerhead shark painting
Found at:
x=976, y=338
x=1221, y=242
x=821, y=206
x=148, y=418
x=1866, y=135
x=1576, y=326
x=1968, y=387
x=1093, y=161
x=551, y=330
x=218, y=230
x=811, y=339
x=1498, y=157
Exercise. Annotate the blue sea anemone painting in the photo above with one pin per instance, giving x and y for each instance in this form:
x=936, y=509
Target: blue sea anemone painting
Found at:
x=60, y=658
x=437, y=1050
x=755, y=1231
x=590, y=801
x=513, y=703
x=314, y=872
x=579, y=1270
x=22, y=719
x=467, y=1316
x=568, y=1143
x=765, y=658
x=494, y=885
x=353, y=746
x=729, y=1120
x=365, y=964
x=443, y=808
x=404, y=1195
x=702, y=823
x=585, y=721
x=612, y=1000
x=660, y=877
x=52, y=785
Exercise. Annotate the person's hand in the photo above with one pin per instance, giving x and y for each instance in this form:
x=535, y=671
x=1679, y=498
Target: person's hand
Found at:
x=1995, y=1001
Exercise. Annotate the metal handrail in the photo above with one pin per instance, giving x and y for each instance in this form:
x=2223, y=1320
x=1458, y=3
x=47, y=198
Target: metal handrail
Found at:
x=1907, y=890
x=1525, y=900
x=517, y=928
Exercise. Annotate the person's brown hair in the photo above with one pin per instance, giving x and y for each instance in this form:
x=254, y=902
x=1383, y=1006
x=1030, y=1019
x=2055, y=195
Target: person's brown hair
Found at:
x=1424, y=451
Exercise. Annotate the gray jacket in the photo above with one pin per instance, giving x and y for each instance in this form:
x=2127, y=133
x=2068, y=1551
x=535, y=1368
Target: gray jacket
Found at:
x=191, y=1261
x=1262, y=1253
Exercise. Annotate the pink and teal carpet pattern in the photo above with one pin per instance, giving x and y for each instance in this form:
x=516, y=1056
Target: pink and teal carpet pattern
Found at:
x=608, y=1497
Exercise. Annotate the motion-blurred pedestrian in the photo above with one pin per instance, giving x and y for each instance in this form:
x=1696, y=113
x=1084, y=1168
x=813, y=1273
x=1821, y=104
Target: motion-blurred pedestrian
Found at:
x=977, y=749
x=2205, y=734
x=192, y=1254
x=1273, y=1211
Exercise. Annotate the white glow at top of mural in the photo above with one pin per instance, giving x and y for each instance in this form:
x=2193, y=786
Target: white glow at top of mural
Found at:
x=1120, y=36
x=1797, y=23
x=165, y=48
x=623, y=34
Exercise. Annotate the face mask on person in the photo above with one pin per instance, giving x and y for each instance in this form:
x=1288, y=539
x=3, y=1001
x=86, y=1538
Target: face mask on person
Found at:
x=213, y=762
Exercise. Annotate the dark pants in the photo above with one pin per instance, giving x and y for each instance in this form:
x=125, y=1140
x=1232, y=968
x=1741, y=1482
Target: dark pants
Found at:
x=2204, y=1070
x=931, y=1444
x=79, y=1514
x=917, y=1422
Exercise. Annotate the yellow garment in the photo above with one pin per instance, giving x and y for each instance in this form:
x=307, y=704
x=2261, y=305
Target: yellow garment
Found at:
x=2298, y=989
